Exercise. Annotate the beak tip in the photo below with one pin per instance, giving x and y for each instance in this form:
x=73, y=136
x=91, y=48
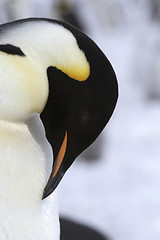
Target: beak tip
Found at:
x=52, y=184
x=48, y=189
x=46, y=193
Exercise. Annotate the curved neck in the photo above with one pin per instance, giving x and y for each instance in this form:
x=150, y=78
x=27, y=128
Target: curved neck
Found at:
x=23, y=173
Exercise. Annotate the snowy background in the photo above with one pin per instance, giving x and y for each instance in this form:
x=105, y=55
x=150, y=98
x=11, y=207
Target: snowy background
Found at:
x=115, y=186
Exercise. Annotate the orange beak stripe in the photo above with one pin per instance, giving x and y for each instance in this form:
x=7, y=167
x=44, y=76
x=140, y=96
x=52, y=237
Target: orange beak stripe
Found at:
x=60, y=155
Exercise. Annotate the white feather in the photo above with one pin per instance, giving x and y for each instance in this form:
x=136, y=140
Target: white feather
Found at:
x=26, y=157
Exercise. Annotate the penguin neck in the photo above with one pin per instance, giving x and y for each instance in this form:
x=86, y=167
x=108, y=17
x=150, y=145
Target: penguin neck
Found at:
x=24, y=154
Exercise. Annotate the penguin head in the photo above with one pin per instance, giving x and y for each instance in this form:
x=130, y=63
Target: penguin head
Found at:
x=51, y=68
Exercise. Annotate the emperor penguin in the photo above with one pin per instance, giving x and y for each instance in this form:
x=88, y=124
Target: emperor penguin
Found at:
x=57, y=92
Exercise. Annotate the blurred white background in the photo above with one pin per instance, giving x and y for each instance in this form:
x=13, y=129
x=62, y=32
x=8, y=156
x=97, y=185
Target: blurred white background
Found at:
x=115, y=185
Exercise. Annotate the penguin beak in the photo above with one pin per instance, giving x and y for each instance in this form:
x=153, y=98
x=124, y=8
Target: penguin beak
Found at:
x=60, y=156
x=57, y=172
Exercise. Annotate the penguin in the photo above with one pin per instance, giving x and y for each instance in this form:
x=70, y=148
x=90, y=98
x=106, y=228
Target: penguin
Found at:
x=57, y=92
x=74, y=230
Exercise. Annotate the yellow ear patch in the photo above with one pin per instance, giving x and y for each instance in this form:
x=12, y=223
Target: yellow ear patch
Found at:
x=70, y=59
x=76, y=72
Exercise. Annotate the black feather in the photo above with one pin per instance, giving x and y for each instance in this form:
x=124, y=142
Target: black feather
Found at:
x=10, y=49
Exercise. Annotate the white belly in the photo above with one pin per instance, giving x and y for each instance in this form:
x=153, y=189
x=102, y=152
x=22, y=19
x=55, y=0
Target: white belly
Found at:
x=25, y=165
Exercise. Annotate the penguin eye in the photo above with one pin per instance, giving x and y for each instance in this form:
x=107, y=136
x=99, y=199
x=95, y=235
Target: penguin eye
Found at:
x=10, y=49
x=85, y=118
